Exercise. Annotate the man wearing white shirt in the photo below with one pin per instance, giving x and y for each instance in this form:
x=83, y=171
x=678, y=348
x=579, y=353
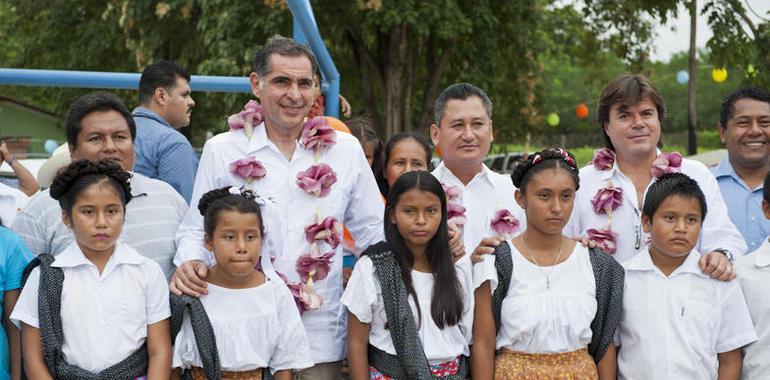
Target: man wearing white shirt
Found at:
x=283, y=80
x=463, y=131
x=630, y=110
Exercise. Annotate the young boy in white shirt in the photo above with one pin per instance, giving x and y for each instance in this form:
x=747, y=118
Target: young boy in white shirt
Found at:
x=754, y=276
x=677, y=322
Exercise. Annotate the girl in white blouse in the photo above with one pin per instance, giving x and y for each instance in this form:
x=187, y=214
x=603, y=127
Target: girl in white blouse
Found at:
x=98, y=307
x=552, y=320
x=411, y=275
x=254, y=320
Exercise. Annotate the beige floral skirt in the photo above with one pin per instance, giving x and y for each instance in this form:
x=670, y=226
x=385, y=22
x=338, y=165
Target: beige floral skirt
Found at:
x=575, y=365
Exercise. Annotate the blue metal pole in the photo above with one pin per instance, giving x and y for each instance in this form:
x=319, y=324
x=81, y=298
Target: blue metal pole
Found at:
x=303, y=19
x=107, y=80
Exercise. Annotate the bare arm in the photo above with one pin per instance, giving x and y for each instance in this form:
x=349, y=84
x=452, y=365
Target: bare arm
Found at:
x=730, y=363
x=484, y=336
x=282, y=375
x=608, y=366
x=159, y=351
x=358, y=348
x=13, y=334
x=34, y=365
x=27, y=182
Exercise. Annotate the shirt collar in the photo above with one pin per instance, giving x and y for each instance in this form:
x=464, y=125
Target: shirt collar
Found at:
x=138, y=184
x=725, y=169
x=762, y=258
x=609, y=173
x=72, y=256
x=485, y=174
x=643, y=262
x=146, y=112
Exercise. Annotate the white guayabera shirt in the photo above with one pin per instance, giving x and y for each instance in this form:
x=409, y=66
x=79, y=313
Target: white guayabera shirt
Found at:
x=353, y=200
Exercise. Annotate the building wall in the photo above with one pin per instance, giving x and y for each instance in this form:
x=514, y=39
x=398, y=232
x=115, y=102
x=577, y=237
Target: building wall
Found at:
x=25, y=130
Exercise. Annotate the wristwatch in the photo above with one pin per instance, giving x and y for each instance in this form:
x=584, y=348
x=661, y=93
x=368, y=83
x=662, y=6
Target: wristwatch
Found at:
x=727, y=254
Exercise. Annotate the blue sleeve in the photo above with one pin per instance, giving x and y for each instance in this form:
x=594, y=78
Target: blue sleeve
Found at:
x=17, y=256
x=177, y=164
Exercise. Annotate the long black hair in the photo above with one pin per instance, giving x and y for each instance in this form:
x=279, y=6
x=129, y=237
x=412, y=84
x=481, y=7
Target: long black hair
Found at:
x=446, y=304
x=423, y=141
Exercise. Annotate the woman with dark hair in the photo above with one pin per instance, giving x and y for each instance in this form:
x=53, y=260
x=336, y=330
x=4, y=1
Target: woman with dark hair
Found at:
x=410, y=277
x=546, y=307
x=404, y=152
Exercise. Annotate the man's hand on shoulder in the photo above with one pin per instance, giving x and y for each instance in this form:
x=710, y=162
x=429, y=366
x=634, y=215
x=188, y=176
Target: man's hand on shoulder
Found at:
x=190, y=279
x=486, y=246
x=717, y=265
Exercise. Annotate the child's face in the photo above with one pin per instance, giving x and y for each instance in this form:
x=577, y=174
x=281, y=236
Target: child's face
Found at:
x=548, y=201
x=237, y=243
x=96, y=219
x=406, y=156
x=417, y=215
x=675, y=226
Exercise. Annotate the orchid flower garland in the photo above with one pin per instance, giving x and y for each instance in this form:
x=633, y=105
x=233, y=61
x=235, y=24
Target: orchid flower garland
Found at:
x=316, y=181
x=609, y=198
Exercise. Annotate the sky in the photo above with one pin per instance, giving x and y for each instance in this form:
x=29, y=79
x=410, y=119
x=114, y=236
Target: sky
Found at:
x=674, y=36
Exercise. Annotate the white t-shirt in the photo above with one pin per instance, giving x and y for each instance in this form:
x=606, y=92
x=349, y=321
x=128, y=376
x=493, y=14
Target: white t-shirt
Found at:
x=11, y=203
x=104, y=318
x=538, y=320
x=673, y=327
x=254, y=328
x=363, y=298
x=754, y=276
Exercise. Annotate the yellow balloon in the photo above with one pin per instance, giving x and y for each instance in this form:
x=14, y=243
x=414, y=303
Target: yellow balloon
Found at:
x=719, y=75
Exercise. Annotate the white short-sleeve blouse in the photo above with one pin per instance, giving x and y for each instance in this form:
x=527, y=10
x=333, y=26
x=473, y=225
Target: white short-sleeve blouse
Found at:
x=363, y=298
x=257, y=327
x=538, y=320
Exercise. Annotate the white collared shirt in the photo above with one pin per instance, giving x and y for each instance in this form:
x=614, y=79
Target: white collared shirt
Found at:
x=353, y=200
x=717, y=232
x=11, y=203
x=673, y=327
x=104, y=317
x=485, y=194
x=754, y=276
x=152, y=217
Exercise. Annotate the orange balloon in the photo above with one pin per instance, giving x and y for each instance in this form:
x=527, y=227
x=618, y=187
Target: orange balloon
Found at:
x=438, y=151
x=337, y=124
x=581, y=111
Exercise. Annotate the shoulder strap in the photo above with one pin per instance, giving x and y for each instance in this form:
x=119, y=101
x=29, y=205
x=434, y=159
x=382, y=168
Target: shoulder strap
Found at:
x=609, y=277
x=204, y=333
x=504, y=267
x=403, y=330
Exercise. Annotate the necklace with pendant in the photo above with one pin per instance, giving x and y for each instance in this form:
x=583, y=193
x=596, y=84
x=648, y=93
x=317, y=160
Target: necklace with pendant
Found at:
x=547, y=275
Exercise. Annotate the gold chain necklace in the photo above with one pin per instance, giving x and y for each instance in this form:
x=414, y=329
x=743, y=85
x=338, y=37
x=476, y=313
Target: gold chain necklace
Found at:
x=539, y=268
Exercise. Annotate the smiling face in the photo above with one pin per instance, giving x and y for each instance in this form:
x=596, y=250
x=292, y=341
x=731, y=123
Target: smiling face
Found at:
x=674, y=228
x=96, y=219
x=417, y=215
x=465, y=133
x=548, y=200
x=237, y=242
x=747, y=134
x=286, y=92
x=406, y=156
x=634, y=130
x=104, y=135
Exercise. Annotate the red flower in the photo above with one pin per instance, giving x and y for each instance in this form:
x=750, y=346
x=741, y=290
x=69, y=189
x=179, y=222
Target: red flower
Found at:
x=452, y=192
x=607, y=199
x=666, y=163
x=603, y=159
x=325, y=230
x=248, y=168
x=317, y=180
x=317, y=266
x=604, y=239
x=455, y=214
x=504, y=223
x=317, y=134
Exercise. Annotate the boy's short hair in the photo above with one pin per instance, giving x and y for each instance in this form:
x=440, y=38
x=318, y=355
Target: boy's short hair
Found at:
x=671, y=184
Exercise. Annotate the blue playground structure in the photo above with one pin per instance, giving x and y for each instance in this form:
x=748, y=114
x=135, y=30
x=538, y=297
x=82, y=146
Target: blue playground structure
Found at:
x=305, y=31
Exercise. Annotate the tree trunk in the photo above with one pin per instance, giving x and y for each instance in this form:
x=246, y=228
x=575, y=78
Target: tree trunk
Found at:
x=692, y=112
x=370, y=75
x=394, y=70
x=435, y=69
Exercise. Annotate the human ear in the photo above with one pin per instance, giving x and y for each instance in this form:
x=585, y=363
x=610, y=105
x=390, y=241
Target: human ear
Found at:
x=254, y=83
x=207, y=240
x=520, y=199
x=646, y=224
x=434, y=134
x=66, y=219
x=766, y=209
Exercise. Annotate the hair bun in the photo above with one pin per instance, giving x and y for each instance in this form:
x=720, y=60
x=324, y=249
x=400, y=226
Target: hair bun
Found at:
x=211, y=196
